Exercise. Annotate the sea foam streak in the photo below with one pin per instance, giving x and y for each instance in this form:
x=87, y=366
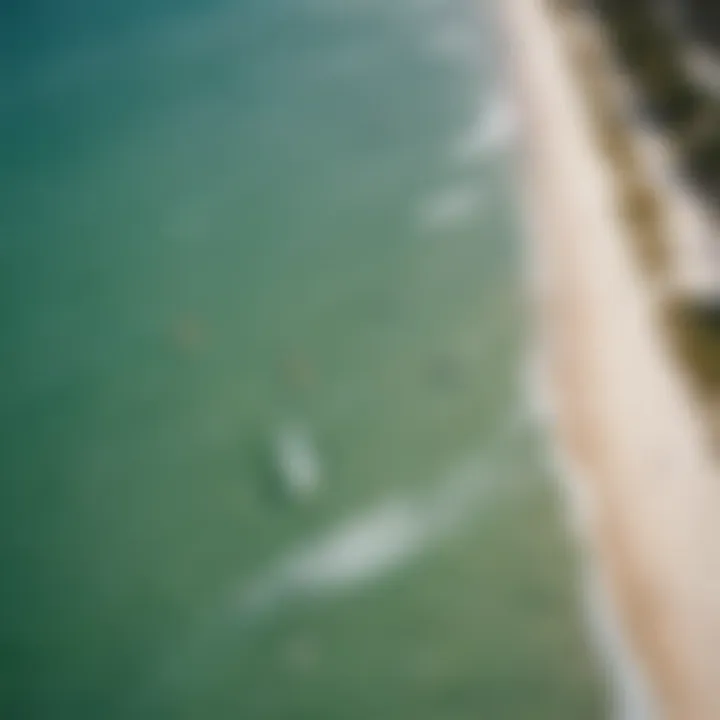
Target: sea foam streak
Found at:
x=370, y=545
x=361, y=550
x=491, y=131
x=450, y=208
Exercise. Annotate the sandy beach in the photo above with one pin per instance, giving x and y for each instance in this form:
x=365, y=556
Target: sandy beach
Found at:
x=623, y=414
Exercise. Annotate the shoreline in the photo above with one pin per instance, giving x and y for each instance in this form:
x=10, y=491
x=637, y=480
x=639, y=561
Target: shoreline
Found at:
x=630, y=695
x=623, y=416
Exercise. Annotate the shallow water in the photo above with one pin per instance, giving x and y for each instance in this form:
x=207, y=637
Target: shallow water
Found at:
x=220, y=218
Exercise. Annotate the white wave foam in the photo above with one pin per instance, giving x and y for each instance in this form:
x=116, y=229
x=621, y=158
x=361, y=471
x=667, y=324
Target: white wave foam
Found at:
x=492, y=130
x=359, y=551
x=371, y=545
x=631, y=696
x=355, y=553
x=449, y=208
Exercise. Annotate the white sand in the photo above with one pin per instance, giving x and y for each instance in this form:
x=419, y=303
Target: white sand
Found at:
x=623, y=414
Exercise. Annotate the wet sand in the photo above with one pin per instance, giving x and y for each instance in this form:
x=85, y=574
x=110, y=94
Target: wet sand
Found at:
x=622, y=410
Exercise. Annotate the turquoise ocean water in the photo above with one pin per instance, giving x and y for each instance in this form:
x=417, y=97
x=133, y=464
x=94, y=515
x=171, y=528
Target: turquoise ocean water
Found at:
x=220, y=220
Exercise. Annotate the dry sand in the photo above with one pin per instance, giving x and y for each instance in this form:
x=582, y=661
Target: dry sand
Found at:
x=623, y=413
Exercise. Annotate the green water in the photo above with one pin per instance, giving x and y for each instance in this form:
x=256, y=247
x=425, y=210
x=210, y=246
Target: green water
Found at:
x=217, y=219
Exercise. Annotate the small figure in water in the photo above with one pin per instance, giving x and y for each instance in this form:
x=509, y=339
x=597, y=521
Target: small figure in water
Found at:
x=186, y=332
x=296, y=371
x=296, y=461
